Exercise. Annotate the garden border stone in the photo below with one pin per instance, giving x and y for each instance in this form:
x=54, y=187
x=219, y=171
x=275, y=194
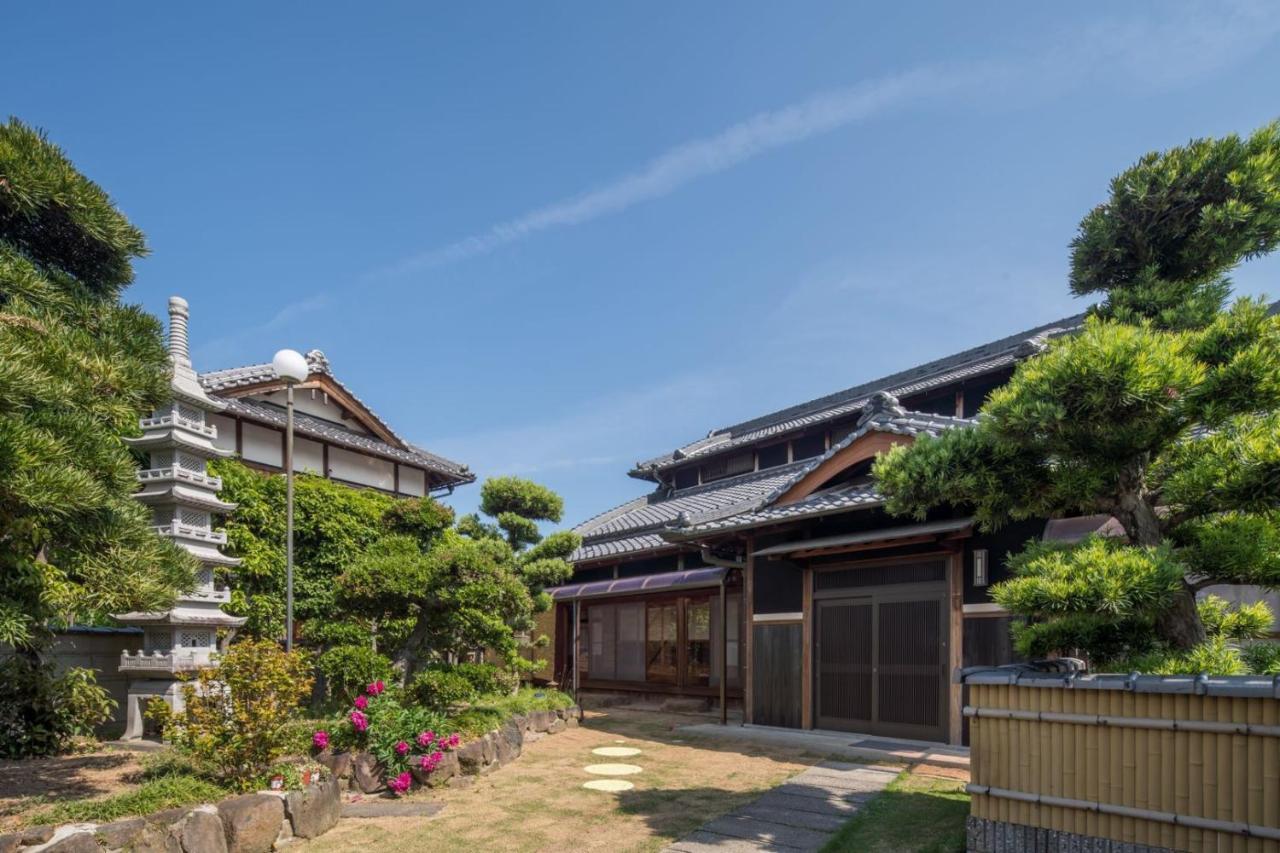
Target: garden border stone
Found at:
x=261, y=822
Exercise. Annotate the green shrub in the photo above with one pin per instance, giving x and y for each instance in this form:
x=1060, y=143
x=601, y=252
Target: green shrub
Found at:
x=1214, y=656
x=487, y=679
x=41, y=712
x=474, y=722
x=440, y=688
x=237, y=717
x=1263, y=658
x=350, y=668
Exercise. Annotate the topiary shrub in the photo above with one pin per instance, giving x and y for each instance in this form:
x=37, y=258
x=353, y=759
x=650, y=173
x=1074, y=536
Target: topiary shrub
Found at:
x=1263, y=658
x=440, y=688
x=349, y=668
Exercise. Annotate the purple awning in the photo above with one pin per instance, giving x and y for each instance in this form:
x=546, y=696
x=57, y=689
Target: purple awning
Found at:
x=645, y=583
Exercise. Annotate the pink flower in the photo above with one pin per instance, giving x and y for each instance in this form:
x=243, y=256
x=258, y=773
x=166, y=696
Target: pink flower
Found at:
x=320, y=740
x=430, y=762
x=402, y=748
x=401, y=783
x=425, y=738
x=376, y=687
x=359, y=721
x=453, y=740
x=362, y=702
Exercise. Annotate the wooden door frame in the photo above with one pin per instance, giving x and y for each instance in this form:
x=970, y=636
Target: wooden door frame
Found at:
x=951, y=590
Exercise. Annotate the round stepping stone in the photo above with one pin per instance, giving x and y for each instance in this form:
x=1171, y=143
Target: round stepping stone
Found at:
x=616, y=751
x=612, y=786
x=612, y=769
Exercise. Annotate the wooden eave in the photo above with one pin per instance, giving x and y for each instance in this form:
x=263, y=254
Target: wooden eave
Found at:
x=326, y=383
x=867, y=447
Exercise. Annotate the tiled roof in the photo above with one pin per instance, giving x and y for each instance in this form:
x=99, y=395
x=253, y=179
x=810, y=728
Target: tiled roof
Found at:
x=970, y=363
x=837, y=499
x=635, y=525
x=883, y=415
x=619, y=547
x=219, y=382
x=314, y=427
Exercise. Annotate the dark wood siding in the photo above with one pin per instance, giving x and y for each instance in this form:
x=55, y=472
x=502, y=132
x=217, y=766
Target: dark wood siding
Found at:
x=775, y=671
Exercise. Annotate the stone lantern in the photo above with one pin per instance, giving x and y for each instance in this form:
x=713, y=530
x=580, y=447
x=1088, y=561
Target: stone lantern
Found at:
x=183, y=498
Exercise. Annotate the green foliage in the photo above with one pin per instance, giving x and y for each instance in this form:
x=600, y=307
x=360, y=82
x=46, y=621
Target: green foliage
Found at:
x=1176, y=223
x=1162, y=411
x=77, y=370
x=167, y=791
x=42, y=712
x=1262, y=658
x=441, y=688
x=446, y=685
x=236, y=722
x=1215, y=656
x=349, y=668
x=1234, y=622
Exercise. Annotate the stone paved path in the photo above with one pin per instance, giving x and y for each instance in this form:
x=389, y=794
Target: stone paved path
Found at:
x=800, y=814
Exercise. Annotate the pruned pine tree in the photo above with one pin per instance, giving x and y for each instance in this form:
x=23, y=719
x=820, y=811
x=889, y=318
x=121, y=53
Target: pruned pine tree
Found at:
x=77, y=370
x=1162, y=411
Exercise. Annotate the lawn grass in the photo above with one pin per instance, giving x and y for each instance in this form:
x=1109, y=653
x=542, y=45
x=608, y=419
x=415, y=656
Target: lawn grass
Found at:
x=915, y=814
x=153, y=795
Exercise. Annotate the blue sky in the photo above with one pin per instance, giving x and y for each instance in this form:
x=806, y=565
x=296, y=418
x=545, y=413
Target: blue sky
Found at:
x=551, y=239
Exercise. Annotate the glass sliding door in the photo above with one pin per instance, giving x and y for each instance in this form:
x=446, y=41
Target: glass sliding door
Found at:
x=697, y=644
x=662, y=647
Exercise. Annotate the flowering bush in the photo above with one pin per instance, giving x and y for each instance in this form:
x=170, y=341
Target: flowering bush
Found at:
x=388, y=728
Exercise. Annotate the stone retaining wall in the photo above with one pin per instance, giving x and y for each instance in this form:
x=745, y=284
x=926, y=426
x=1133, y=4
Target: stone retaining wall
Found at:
x=259, y=823
x=252, y=823
x=992, y=836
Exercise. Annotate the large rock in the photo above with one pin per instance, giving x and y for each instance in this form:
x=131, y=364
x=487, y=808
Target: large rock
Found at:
x=70, y=839
x=339, y=763
x=445, y=770
x=556, y=727
x=489, y=746
x=367, y=773
x=251, y=822
x=540, y=721
x=510, y=742
x=520, y=721
x=161, y=838
x=471, y=756
x=202, y=831
x=37, y=835
x=315, y=809
x=10, y=842
x=122, y=833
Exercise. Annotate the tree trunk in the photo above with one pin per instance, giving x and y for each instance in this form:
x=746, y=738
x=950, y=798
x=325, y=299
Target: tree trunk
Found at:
x=1179, y=625
x=407, y=658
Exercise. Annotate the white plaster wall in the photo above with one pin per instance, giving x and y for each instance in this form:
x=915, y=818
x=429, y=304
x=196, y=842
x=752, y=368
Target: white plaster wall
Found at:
x=345, y=465
x=308, y=455
x=226, y=431
x=262, y=445
x=412, y=481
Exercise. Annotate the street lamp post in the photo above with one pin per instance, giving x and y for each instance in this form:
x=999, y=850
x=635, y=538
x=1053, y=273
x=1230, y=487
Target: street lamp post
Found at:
x=292, y=368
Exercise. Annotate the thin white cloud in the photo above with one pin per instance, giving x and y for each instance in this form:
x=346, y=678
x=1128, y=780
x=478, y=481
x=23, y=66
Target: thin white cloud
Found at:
x=763, y=132
x=219, y=347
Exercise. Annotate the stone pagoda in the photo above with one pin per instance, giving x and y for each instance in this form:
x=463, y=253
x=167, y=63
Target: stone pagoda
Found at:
x=183, y=497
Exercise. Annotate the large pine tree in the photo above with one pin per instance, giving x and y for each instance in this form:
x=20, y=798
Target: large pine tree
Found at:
x=1163, y=411
x=77, y=370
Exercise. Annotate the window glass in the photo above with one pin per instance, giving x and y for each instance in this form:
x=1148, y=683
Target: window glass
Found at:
x=661, y=651
x=698, y=642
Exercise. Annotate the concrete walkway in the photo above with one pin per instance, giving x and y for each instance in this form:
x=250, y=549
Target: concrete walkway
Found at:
x=800, y=814
x=841, y=744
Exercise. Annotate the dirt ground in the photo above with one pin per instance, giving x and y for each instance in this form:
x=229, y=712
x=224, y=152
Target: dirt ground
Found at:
x=27, y=784
x=538, y=803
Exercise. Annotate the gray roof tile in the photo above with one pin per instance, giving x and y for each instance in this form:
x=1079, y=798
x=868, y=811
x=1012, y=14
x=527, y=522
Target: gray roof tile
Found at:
x=972, y=362
x=219, y=382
